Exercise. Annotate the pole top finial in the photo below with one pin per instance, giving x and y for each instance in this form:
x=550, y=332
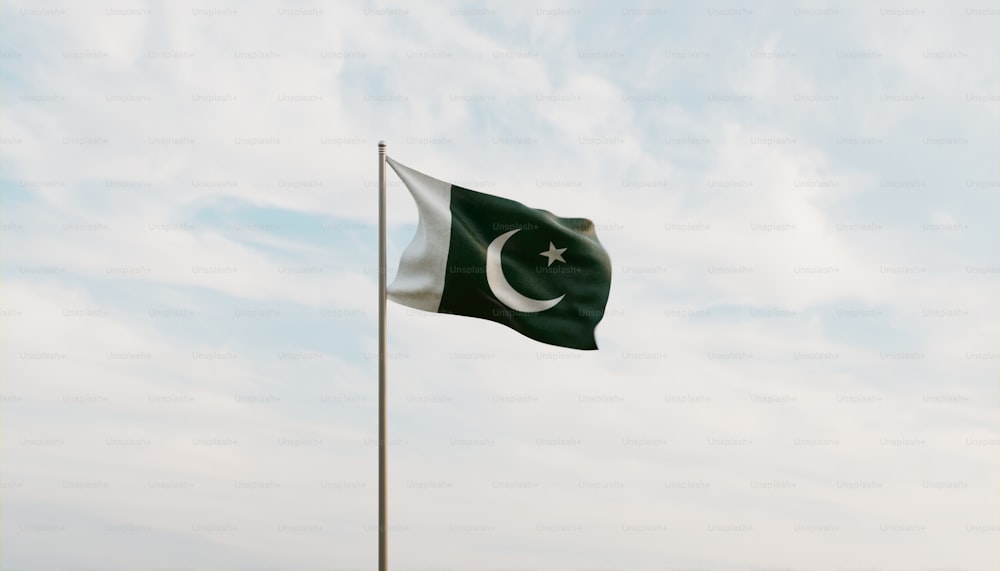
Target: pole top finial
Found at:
x=381, y=143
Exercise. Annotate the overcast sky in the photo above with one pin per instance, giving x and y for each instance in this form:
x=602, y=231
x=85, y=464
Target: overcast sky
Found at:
x=798, y=364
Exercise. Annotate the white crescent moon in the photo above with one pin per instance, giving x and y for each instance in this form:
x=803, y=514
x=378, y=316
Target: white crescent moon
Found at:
x=502, y=289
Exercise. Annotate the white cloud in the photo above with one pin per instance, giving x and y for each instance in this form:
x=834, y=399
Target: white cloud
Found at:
x=795, y=357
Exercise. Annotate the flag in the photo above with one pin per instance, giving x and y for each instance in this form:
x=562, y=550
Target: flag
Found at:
x=483, y=256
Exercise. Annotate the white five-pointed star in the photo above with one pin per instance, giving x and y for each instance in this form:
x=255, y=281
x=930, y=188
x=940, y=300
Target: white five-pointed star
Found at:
x=554, y=253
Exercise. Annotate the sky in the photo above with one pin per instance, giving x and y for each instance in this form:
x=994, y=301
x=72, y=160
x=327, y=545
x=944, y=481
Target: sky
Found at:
x=798, y=364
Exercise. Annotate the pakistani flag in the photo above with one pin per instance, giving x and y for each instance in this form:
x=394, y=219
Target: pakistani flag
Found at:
x=484, y=256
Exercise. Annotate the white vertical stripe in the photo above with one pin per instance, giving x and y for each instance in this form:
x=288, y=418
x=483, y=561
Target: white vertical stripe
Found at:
x=419, y=281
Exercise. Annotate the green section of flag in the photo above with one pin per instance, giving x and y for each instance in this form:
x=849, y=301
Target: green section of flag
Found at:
x=547, y=257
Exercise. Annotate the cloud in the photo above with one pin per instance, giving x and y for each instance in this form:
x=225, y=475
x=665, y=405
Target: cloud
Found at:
x=798, y=202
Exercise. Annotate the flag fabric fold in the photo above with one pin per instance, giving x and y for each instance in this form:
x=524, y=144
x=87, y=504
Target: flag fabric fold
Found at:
x=483, y=256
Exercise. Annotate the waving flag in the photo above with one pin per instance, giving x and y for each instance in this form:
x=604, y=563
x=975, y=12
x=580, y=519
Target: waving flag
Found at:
x=488, y=257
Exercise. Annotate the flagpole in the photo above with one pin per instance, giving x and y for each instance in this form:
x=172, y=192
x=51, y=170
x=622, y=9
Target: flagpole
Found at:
x=383, y=526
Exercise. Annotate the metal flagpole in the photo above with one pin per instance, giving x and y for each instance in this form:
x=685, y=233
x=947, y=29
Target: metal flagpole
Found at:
x=383, y=526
